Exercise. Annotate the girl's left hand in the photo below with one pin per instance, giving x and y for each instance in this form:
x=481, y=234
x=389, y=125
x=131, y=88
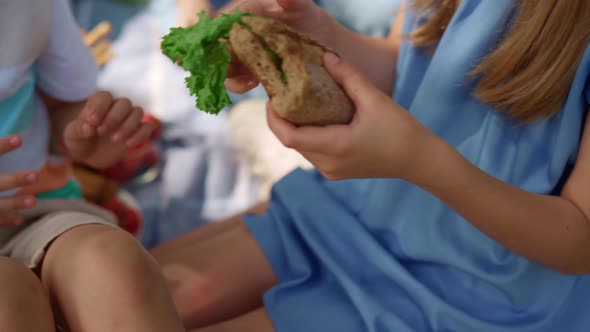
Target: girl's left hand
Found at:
x=382, y=141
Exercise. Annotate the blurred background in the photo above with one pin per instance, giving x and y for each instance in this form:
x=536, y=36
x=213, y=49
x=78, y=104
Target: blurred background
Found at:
x=207, y=167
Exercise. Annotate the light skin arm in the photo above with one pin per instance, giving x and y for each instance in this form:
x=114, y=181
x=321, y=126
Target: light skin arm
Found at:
x=354, y=47
x=550, y=230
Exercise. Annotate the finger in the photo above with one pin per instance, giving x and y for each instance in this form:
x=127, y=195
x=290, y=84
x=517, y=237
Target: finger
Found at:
x=14, y=181
x=131, y=124
x=79, y=130
x=10, y=220
x=97, y=108
x=236, y=68
x=10, y=143
x=241, y=84
x=357, y=87
x=116, y=116
x=13, y=203
x=140, y=135
x=304, y=138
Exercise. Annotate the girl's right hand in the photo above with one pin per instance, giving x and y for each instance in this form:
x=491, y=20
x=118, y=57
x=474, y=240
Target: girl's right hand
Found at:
x=9, y=205
x=302, y=15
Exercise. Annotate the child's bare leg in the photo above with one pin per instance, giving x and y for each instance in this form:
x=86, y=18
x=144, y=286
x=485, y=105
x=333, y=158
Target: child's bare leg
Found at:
x=204, y=233
x=217, y=278
x=103, y=280
x=256, y=320
x=24, y=304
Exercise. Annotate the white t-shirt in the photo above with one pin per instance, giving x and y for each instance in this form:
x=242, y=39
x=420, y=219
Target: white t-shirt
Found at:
x=41, y=49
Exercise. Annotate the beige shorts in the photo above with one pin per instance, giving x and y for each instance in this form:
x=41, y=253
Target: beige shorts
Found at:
x=44, y=223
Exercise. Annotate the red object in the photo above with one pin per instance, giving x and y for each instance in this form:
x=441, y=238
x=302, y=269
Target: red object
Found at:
x=129, y=218
x=139, y=158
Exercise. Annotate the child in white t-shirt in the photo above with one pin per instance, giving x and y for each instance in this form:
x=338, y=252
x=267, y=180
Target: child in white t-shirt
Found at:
x=58, y=254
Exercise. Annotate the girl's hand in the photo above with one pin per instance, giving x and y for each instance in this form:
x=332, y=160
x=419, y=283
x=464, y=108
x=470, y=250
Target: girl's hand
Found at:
x=104, y=130
x=382, y=141
x=9, y=205
x=301, y=15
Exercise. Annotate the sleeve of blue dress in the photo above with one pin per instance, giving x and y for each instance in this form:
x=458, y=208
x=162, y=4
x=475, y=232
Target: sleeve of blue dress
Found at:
x=380, y=255
x=66, y=69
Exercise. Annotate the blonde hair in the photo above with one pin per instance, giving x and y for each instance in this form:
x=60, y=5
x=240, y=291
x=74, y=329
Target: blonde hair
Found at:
x=529, y=74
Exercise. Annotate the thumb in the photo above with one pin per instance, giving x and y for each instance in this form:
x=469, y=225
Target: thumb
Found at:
x=349, y=78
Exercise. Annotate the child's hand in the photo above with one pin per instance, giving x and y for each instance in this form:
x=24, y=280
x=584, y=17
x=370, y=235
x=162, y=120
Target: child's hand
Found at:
x=383, y=140
x=10, y=204
x=302, y=15
x=104, y=130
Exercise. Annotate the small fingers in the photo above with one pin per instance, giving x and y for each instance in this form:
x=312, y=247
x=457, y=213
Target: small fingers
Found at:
x=241, y=84
x=9, y=143
x=97, y=108
x=10, y=220
x=14, y=181
x=115, y=117
x=129, y=126
x=13, y=203
x=141, y=135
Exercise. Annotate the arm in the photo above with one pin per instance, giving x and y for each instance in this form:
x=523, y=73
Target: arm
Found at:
x=85, y=122
x=553, y=231
x=61, y=113
x=354, y=48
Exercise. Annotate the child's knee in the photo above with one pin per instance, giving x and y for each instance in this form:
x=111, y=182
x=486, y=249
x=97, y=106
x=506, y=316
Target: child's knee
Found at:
x=24, y=300
x=99, y=251
x=113, y=251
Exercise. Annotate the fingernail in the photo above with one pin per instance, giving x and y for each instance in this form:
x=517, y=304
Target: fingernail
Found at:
x=29, y=201
x=117, y=137
x=31, y=177
x=14, y=140
x=331, y=58
x=94, y=118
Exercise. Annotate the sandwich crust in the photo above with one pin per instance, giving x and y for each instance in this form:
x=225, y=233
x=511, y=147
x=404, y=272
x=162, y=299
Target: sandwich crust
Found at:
x=301, y=90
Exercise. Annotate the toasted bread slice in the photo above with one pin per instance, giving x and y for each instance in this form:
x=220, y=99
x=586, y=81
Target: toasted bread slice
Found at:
x=300, y=88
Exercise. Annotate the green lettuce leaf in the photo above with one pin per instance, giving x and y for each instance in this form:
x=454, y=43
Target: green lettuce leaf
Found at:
x=200, y=50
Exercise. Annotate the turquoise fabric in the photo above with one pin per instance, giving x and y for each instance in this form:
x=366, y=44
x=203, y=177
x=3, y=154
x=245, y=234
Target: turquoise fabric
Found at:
x=18, y=110
x=383, y=255
x=70, y=190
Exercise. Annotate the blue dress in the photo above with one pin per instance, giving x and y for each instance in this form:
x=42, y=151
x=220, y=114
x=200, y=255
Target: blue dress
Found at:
x=382, y=255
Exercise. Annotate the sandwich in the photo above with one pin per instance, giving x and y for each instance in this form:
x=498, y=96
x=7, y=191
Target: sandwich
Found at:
x=288, y=64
